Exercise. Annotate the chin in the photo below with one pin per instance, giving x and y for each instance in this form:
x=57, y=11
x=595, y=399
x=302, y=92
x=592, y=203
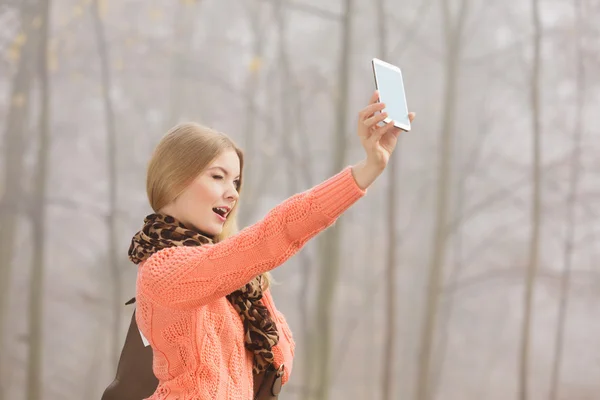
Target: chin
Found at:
x=210, y=230
x=215, y=231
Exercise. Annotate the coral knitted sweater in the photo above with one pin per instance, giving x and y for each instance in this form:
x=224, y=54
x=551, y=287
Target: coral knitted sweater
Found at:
x=195, y=333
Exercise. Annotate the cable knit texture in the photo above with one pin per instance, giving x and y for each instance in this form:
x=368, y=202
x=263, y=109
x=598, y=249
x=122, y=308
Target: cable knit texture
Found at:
x=195, y=333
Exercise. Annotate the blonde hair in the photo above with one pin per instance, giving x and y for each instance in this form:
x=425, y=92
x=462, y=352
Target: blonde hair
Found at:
x=180, y=156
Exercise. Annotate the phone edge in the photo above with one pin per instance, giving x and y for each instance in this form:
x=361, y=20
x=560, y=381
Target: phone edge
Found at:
x=374, y=60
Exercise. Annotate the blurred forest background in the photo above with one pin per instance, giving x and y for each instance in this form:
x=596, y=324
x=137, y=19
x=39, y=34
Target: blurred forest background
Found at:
x=468, y=272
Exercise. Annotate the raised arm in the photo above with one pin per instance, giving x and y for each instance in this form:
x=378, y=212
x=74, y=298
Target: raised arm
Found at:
x=184, y=277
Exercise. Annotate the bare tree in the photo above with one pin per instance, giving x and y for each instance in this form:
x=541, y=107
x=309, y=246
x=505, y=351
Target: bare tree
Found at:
x=295, y=169
x=15, y=138
x=38, y=214
x=452, y=29
x=574, y=179
x=389, y=354
x=279, y=95
x=111, y=159
x=536, y=204
x=184, y=26
x=460, y=261
x=368, y=318
x=252, y=85
x=329, y=243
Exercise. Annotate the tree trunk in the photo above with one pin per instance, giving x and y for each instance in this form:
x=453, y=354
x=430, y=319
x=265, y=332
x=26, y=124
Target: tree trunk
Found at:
x=329, y=244
x=453, y=28
x=111, y=159
x=290, y=110
x=575, y=170
x=389, y=349
x=14, y=149
x=251, y=186
x=38, y=215
x=460, y=261
x=369, y=362
x=534, y=243
x=389, y=353
x=184, y=25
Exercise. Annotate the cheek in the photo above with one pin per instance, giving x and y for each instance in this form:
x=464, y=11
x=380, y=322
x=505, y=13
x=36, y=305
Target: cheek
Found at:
x=205, y=194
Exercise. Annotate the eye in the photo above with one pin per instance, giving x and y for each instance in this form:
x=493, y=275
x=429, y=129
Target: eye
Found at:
x=236, y=183
x=218, y=177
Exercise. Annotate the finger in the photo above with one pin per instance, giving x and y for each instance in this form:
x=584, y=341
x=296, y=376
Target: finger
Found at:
x=369, y=110
x=411, y=116
x=375, y=119
x=374, y=97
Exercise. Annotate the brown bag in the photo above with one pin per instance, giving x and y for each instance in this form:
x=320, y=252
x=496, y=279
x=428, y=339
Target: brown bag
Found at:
x=267, y=385
x=135, y=379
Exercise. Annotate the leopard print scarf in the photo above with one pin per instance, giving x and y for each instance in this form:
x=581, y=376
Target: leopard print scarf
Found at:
x=260, y=332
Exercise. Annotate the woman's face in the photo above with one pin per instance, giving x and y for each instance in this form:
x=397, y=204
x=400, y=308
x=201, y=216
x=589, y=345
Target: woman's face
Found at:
x=207, y=201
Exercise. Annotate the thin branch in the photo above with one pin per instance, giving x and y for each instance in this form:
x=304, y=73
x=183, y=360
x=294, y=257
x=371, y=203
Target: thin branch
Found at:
x=111, y=160
x=484, y=124
x=536, y=206
x=454, y=44
x=38, y=216
x=389, y=347
x=575, y=176
x=310, y=10
x=410, y=34
x=550, y=276
x=15, y=138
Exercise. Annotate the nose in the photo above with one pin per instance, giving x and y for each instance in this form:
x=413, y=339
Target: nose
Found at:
x=232, y=194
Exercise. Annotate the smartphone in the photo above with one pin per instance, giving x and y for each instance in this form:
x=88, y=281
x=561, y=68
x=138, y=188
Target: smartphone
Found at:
x=389, y=83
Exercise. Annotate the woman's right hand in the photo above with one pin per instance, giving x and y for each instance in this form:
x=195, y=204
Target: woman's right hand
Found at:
x=379, y=142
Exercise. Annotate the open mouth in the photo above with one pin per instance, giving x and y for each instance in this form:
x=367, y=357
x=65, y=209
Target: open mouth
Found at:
x=221, y=211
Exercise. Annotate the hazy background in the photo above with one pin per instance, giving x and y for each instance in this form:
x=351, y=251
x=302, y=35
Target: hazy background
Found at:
x=469, y=271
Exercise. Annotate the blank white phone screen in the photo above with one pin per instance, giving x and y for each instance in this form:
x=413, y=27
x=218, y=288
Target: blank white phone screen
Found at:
x=391, y=92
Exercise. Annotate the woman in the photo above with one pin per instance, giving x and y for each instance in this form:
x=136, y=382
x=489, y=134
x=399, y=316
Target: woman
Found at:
x=203, y=301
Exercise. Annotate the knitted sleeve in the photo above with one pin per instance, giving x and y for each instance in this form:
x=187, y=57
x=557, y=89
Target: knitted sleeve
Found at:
x=189, y=277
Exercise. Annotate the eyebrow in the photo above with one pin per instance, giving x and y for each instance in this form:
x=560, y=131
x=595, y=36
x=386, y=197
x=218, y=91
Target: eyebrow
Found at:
x=222, y=169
